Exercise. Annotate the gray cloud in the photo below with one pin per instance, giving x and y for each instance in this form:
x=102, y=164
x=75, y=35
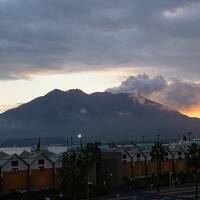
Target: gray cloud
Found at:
x=141, y=83
x=178, y=94
x=76, y=35
x=181, y=94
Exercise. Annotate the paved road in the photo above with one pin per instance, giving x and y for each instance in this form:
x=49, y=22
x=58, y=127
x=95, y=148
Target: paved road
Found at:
x=186, y=193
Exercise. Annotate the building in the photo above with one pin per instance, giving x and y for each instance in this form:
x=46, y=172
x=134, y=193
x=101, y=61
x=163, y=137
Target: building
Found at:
x=138, y=162
x=14, y=173
x=39, y=170
x=109, y=169
x=28, y=171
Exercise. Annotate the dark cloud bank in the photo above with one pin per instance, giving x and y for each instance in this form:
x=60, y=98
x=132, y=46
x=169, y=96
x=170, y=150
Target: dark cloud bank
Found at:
x=75, y=35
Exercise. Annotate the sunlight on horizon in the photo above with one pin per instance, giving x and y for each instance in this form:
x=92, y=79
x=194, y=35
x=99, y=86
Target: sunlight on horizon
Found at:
x=16, y=92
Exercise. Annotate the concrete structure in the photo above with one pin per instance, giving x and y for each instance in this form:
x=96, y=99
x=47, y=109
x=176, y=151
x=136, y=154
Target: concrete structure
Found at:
x=109, y=169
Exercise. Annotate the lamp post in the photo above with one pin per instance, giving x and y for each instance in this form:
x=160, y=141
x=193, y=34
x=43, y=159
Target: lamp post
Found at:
x=189, y=136
x=158, y=164
x=158, y=137
x=38, y=145
x=143, y=139
x=131, y=158
x=71, y=141
x=67, y=142
x=170, y=179
x=196, y=175
x=80, y=141
x=195, y=156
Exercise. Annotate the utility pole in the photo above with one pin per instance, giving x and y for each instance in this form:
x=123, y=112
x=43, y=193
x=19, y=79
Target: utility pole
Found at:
x=196, y=185
x=67, y=142
x=131, y=158
x=189, y=136
x=173, y=159
x=196, y=176
x=143, y=139
x=145, y=161
x=71, y=139
x=38, y=145
x=158, y=138
x=80, y=141
x=158, y=164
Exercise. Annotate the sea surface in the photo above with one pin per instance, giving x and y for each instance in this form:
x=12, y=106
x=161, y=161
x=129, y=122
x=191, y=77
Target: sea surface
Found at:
x=54, y=149
x=19, y=150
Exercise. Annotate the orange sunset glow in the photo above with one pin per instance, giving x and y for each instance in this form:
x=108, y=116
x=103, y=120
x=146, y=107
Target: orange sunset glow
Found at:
x=192, y=112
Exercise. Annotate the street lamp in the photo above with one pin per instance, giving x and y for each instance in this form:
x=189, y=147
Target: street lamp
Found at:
x=196, y=175
x=195, y=157
x=189, y=136
x=131, y=158
x=158, y=163
x=143, y=139
x=80, y=137
x=67, y=141
x=71, y=141
x=170, y=179
x=158, y=136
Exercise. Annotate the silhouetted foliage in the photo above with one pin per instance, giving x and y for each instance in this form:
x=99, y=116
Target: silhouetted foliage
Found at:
x=193, y=156
x=193, y=160
x=75, y=169
x=157, y=155
x=158, y=152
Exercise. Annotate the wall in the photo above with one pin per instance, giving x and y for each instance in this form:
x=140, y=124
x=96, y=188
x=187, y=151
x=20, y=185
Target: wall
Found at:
x=12, y=181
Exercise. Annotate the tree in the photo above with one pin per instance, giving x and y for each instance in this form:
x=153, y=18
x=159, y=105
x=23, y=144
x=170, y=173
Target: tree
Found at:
x=75, y=169
x=157, y=155
x=193, y=160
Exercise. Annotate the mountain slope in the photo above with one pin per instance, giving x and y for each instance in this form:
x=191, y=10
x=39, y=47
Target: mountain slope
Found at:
x=98, y=115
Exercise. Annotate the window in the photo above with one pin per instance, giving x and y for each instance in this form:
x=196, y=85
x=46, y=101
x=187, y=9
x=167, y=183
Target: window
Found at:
x=124, y=156
x=14, y=166
x=166, y=156
x=138, y=161
x=15, y=170
x=14, y=163
x=41, y=168
x=42, y=187
x=41, y=162
x=138, y=155
x=179, y=153
x=15, y=190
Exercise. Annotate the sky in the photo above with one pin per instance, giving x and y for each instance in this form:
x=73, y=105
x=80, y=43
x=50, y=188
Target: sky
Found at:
x=151, y=47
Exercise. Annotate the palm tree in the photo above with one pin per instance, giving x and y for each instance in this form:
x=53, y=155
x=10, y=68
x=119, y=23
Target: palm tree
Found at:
x=72, y=183
x=158, y=154
x=75, y=169
x=193, y=160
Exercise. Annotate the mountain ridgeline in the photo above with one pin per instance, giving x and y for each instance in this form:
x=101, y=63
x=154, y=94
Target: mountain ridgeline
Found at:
x=97, y=116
